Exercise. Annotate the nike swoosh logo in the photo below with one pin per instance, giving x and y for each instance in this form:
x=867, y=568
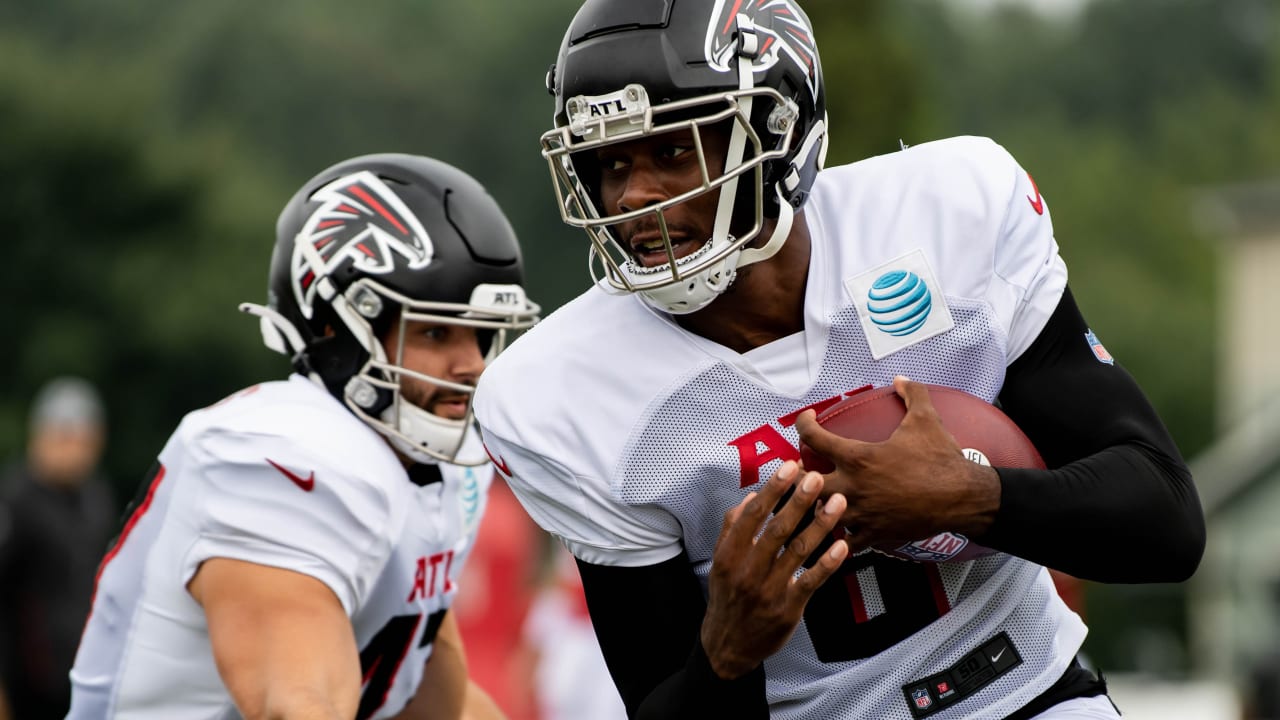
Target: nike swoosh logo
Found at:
x=498, y=462
x=308, y=484
x=997, y=656
x=1037, y=203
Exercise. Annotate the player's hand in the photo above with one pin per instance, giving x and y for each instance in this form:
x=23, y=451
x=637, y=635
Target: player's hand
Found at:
x=755, y=599
x=914, y=485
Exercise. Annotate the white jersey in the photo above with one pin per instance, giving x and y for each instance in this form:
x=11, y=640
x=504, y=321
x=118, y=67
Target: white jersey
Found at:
x=629, y=438
x=283, y=475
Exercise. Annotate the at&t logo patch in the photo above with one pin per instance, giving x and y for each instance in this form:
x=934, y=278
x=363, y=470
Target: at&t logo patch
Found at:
x=899, y=304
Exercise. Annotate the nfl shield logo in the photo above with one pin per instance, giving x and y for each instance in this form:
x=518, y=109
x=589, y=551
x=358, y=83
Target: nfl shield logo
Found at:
x=1098, y=350
x=921, y=698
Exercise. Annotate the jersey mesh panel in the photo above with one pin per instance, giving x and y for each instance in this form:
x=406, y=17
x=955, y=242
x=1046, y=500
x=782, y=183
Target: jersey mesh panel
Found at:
x=678, y=458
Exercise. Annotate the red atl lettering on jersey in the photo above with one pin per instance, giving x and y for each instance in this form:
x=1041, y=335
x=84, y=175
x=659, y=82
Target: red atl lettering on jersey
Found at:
x=766, y=444
x=425, y=583
x=750, y=456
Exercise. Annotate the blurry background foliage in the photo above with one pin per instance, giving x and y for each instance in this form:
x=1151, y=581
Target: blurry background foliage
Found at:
x=148, y=145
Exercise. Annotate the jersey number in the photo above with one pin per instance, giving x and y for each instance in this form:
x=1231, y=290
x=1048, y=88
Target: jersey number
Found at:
x=871, y=604
x=380, y=660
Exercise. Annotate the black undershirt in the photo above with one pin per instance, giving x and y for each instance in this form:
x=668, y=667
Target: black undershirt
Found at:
x=1117, y=505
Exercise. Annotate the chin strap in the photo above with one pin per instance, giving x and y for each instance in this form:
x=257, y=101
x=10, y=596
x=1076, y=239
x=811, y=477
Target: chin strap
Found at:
x=425, y=437
x=786, y=218
x=690, y=294
x=816, y=141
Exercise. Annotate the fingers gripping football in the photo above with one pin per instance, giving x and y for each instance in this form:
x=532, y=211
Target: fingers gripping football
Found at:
x=913, y=484
x=755, y=599
x=921, y=414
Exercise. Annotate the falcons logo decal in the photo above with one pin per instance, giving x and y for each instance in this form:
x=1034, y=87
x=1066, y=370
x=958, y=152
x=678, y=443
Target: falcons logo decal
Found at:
x=782, y=27
x=359, y=219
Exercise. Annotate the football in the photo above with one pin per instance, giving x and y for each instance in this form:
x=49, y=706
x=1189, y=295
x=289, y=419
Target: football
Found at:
x=984, y=433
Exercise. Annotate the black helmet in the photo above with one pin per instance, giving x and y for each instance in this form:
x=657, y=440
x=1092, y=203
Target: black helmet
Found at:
x=630, y=68
x=383, y=239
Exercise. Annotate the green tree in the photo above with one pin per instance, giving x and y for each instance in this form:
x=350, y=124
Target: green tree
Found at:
x=117, y=270
x=872, y=79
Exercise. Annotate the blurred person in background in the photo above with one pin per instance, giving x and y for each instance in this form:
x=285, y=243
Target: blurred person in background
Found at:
x=498, y=583
x=523, y=618
x=298, y=545
x=654, y=422
x=566, y=676
x=57, y=514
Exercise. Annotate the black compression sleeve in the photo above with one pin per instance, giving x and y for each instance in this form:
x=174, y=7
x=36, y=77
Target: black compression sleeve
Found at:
x=1118, y=504
x=648, y=621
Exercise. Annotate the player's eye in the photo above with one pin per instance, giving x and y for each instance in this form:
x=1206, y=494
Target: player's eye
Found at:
x=435, y=332
x=675, y=152
x=613, y=163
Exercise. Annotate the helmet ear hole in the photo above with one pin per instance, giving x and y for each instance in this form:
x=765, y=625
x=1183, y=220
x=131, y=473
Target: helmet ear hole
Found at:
x=335, y=358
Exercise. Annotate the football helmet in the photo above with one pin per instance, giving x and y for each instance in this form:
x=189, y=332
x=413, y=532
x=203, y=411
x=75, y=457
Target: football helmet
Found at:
x=383, y=239
x=634, y=68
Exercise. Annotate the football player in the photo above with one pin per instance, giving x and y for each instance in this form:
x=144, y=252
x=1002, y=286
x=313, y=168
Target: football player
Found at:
x=740, y=288
x=296, y=549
